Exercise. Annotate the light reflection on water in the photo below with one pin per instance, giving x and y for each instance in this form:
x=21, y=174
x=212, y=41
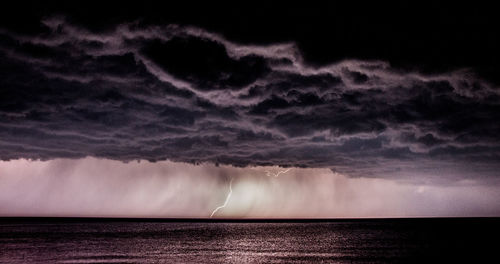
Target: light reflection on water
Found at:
x=198, y=242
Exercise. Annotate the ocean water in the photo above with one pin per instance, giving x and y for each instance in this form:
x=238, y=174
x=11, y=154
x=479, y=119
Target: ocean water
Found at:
x=339, y=241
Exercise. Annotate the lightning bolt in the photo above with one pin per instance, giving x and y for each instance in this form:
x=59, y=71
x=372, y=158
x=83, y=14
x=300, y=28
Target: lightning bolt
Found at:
x=227, y=198
x=269, y=174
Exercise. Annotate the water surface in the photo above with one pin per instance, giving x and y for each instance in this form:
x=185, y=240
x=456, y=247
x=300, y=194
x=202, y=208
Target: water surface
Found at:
x=340, y=241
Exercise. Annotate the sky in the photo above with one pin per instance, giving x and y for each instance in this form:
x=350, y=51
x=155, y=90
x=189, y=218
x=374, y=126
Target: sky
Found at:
x=169, y=111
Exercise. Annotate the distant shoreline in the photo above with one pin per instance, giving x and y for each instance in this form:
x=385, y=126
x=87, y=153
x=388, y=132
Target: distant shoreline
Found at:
x=233, y=220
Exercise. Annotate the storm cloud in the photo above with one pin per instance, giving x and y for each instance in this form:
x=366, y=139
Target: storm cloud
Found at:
x=139, y=91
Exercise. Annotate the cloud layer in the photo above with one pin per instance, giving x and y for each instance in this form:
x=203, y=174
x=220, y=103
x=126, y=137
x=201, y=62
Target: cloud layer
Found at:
x=139, y=91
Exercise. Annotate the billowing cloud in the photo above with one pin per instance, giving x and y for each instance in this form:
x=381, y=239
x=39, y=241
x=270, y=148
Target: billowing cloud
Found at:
x=139, y=91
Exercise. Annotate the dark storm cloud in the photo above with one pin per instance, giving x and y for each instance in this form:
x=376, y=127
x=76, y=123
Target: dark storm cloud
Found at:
x=182, y=93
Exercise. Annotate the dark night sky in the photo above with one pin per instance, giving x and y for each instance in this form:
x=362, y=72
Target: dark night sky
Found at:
x=402, y=91
x=420, y=36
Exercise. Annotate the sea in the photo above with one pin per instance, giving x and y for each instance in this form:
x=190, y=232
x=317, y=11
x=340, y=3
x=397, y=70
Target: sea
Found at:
x=83, y=240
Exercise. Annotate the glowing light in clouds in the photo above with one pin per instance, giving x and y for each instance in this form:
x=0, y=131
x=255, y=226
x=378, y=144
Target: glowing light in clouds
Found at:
x=269, y=174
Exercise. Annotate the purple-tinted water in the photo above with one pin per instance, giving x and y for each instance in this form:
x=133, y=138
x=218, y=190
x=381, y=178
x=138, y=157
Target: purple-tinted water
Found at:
x=367, y=241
